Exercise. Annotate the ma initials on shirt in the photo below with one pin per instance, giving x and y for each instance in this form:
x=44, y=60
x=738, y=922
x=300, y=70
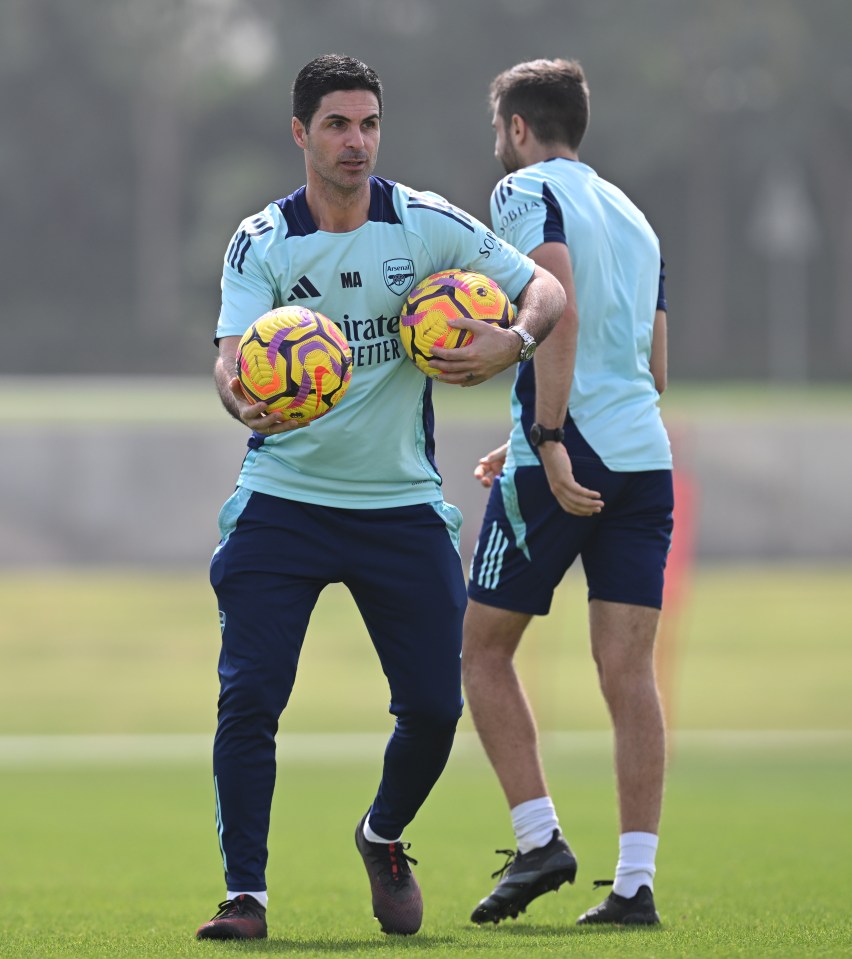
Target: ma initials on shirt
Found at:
x=350, y=280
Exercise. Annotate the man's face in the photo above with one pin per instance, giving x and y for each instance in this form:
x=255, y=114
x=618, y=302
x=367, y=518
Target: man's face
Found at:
x=342, y=144
x=504, y=149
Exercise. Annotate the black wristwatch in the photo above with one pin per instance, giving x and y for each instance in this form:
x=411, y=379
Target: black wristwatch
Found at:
x=528, y=344
x=539, y=435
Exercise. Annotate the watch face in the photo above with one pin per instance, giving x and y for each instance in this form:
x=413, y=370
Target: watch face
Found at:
x=528, y=344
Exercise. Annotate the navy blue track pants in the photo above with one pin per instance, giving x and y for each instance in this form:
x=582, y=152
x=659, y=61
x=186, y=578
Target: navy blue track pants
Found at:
x=403, y=570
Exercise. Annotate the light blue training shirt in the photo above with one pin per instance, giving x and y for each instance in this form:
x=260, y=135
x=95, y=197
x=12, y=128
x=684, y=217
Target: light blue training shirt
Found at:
x=615, y=256
x=376, y=447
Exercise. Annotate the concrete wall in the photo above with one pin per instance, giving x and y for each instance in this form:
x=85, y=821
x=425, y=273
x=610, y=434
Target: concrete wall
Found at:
x=149, y=494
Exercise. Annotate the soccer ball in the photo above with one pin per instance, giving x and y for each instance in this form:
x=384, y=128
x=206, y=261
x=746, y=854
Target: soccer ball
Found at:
x=296, y=361
x=449, y=295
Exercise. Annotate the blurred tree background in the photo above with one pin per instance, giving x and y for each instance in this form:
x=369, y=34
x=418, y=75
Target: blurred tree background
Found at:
x=135, y=136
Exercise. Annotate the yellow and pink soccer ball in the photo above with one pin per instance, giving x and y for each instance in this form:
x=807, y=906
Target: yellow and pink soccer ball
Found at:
x=448, y=295
x=295, y=360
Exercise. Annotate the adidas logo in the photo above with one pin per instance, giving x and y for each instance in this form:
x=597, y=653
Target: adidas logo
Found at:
x=303, y=290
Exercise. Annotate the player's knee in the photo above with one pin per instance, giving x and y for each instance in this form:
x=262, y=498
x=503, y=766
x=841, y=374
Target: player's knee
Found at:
x=254, y=696
x=480, y=654
x=432, y=716
x=471, y=663
x=444, y=717
x=621, y=670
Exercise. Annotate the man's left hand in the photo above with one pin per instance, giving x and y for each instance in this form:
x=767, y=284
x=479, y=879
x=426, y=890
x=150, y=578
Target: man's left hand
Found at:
x=492, y=350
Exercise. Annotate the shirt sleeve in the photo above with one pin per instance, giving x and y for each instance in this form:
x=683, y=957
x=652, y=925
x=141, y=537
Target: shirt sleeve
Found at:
x=525, y=213
x=661, y=296
x=247, y=291
x=454, y=238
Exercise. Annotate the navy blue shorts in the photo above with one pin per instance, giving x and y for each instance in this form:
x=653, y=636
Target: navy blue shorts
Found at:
x=527, y=541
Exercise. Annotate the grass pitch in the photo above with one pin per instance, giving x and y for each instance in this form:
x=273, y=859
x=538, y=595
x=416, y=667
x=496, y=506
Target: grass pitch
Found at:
x=135, y=652
x=119, y=858
x=122, y=862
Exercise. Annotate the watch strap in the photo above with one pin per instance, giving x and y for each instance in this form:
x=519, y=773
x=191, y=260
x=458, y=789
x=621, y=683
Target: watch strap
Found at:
x=528, y=344
x=540, y=434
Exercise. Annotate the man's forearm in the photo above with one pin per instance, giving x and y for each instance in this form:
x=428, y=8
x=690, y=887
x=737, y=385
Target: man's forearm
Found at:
x=541, y=305
x=222, y=379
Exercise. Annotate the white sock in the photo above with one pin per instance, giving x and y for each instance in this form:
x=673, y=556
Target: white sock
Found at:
x=371, y=836
x=534, y=822
x=636, y=854
x=260, y=895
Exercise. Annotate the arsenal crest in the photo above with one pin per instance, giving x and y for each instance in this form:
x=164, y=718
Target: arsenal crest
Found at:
x=399, y=275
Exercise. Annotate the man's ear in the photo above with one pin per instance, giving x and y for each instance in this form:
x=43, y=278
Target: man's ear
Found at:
x=299, y=131
x=518, y=128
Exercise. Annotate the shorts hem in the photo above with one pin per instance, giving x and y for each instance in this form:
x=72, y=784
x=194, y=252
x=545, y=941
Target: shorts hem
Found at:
x=632, y=601
x=486, y=599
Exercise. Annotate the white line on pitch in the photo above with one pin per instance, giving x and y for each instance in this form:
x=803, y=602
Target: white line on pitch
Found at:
x=111, y=750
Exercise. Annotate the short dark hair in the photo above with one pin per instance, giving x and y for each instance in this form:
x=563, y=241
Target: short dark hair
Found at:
x=551, y=95
x=329, y=73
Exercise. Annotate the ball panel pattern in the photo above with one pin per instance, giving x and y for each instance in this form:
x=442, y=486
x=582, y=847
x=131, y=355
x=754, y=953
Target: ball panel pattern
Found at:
x=296, y=361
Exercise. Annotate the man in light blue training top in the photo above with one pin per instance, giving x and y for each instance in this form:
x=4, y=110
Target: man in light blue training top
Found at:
x=354, y=497
x=586, y=471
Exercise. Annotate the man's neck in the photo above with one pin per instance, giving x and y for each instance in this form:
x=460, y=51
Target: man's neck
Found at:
x=335, y=210
x=539, y=152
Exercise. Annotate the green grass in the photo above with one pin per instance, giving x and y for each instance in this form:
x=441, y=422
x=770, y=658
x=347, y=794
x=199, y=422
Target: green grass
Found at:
x=122, y=862
x=120, y=859
x=135, y=652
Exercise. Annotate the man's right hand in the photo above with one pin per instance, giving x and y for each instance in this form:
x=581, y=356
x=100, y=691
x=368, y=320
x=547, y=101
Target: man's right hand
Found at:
x=491, y=466
x=256, y=417
x=570, y=495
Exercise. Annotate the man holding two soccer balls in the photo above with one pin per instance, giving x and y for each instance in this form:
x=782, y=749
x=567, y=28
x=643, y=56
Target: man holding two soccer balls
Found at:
x=350, y=246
